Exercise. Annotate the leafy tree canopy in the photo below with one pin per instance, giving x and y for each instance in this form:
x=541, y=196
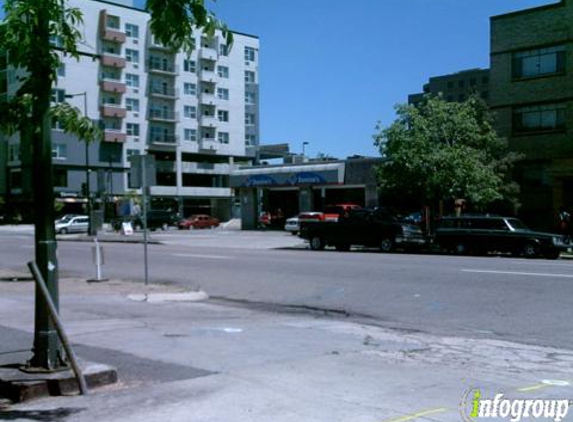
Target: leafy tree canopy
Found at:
x=442, y=150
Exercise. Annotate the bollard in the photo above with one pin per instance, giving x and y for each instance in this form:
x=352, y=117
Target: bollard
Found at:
x=98, y=258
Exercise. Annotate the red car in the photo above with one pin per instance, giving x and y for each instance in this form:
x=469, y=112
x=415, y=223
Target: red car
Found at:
x=199, y=221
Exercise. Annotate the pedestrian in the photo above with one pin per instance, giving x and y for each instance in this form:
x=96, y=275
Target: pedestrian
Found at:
x=564, y=221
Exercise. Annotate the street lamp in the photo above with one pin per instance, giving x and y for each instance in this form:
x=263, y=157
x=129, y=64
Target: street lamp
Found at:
x=87, y=165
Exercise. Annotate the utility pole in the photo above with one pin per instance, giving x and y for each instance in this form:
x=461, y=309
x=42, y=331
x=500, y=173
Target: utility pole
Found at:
x=87, y=165
x=47, y=354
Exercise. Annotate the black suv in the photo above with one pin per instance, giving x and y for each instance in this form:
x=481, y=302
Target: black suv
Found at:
x=481, y=234
x=156, y=219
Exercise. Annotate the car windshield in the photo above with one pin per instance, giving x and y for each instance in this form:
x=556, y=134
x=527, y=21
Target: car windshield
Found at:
x=517, y=224
x=65, y=218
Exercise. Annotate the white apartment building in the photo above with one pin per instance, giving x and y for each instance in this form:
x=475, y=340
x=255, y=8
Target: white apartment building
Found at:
x=197, y=114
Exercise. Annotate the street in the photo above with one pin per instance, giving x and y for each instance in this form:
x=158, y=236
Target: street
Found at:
x=526, y=301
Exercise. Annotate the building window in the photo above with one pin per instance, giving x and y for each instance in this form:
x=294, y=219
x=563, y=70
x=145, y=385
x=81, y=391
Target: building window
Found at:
x=132, y=104
x=190, y=135
x=484, y=80
x=131, y=30
x=249, y=98
x=62, y=70
x=61, y=178
x=131, y=56
x=249, y=77
x=223, y=93
x=131, y=152
x=112, y=22
x=461, y=98
x=190, y=112
x=249, y=119
x=250, y=140
x=132, y=80
x=189, y=89
x=485, y=95
x=14, y=152
x=539, y=62
x=223, y=71
x=473, y=81
x=461, y=84
x=59, y=151
x=189, y=66
x=132, y=129
x=223, y=115
x=249, y=54
x=58, y=95
x=223, y=50
x=223, y=137
x=450, y=85
x=546, y=117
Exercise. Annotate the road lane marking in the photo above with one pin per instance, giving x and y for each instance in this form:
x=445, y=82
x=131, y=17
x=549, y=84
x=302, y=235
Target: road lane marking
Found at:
x=467, y=270
x=545, y=384
x=418, y=415
x=191, y=255
x=532, y=388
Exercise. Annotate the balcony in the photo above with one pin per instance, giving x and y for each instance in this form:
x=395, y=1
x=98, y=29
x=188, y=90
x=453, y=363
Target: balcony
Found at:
x=163, y=115
x=113, y=110
x=114, y=135
x=112, y=60
x=162, y=91
x=208, y=75
x=209, y=121
x=209, y=144
x=208, y=98
x=208, y=53
x=113, y=34
x=161, y=67
x=112, y=85
x=169, y=139
x=165, y=166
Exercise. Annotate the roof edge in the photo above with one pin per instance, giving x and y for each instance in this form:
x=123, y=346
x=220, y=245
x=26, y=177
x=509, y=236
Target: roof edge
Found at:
x=530, y=10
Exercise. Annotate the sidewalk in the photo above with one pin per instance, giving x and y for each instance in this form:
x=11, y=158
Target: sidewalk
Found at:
x=210, y=361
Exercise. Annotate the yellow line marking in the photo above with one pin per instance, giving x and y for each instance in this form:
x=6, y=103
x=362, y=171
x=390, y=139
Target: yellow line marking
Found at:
x=533, y=387
x=418, y=415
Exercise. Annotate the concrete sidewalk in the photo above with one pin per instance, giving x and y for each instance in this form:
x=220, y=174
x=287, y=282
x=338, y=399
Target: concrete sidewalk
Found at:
x=210, y=361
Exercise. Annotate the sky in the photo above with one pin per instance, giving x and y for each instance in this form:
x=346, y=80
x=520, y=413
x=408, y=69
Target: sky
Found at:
x=331, y=69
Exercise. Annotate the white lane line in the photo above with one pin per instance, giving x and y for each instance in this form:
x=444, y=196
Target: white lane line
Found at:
x=518, y=273
x=191, y=255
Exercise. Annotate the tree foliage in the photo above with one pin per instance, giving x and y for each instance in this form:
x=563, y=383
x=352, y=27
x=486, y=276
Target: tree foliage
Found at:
x=441, y=150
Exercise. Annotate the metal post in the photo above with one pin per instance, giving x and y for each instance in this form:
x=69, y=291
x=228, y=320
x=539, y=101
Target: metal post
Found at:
x=144, y=191
x=53, y=312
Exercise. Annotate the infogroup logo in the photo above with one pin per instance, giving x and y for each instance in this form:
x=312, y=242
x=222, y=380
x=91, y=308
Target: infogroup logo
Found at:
x=474, y=406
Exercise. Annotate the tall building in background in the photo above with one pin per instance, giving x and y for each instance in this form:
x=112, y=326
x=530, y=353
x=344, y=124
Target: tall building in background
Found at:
x=197, y=114
x=456, y=87
x=532, y=97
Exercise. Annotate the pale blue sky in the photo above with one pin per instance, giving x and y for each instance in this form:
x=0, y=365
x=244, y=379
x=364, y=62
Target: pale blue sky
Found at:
x=330, y=69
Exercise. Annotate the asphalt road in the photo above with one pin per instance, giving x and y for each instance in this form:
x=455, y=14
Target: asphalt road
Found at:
x=528, y=301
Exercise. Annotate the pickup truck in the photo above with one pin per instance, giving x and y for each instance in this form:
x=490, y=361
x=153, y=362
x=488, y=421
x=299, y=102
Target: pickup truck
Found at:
x=363, y=227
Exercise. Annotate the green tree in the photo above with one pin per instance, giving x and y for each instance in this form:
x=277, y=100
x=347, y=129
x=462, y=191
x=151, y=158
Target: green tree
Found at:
x=34, y=35
x=441, y=151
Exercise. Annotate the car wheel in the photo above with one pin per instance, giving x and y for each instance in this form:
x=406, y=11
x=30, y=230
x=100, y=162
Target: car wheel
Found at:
x=342, y=247
x=316, y=243
x=531, y=250
x=460, y=249
x=387, y=245
x=63, y=231
x=294, y=233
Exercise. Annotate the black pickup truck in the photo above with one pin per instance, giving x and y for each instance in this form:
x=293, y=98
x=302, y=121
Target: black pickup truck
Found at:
x=375, y=228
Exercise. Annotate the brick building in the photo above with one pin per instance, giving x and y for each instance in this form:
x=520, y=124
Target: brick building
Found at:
x=531, y=94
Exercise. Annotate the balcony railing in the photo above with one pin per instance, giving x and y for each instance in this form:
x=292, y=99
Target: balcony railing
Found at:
x=208, y=75
x=114, y=135
x=113, y=110
x=113, y=34
x=208, y=98
x=209, y=121
x=163, y=91
x=162, y=67
x=208, y=53
x=163, y=138
x=113, y=60
x=112, y=85
x=209, y=144
x=163, y=115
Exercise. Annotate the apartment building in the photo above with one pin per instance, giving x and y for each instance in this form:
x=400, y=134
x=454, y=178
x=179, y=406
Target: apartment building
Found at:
x=196, y=114
x=456, y=87
x=531, y=94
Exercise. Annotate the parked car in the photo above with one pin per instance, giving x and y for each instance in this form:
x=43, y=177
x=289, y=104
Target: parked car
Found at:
x=334, y=212
x=66, y=217
x=481, y=234
x=363, y=227
x=292, y=225
x=72, y=224
x=198, y=221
